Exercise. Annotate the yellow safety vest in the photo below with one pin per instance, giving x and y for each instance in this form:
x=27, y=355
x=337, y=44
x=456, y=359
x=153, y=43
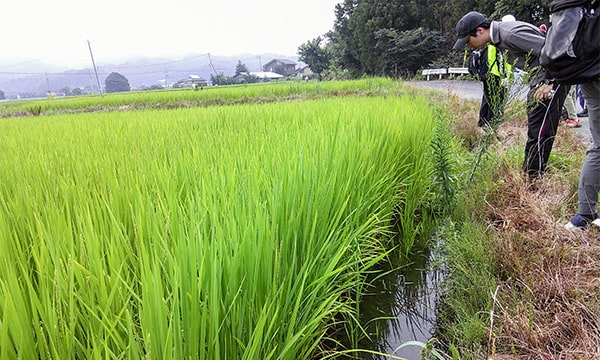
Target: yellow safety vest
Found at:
x=497, y=65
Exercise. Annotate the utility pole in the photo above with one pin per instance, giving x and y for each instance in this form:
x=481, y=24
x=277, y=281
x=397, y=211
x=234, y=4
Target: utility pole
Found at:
x=95, y=70
x=91, y=82
x=48, y=83
x=211, y=65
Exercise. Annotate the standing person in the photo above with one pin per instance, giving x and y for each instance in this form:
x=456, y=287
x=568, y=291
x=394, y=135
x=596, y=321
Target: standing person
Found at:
x=584, y=112
x=523, y=43
x=488, y=65
x=544, y=28
x=589, y=177
x=508, y=17
x=572, y=119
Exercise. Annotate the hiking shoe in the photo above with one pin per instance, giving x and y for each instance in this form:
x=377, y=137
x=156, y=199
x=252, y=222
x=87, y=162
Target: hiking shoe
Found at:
x=579, y=222
x=573, y=123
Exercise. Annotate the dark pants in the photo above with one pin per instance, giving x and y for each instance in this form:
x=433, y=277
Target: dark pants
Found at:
x=542, y=124
x=492, y=102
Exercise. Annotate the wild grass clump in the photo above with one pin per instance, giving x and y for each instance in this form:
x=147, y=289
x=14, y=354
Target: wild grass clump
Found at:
x=547, y=303
x=235, y=232
x=445, y=181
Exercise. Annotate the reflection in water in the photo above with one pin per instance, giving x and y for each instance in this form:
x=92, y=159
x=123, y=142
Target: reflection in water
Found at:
x=400, y=307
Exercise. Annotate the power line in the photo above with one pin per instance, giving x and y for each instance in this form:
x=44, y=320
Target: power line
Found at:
x=24, y=62
x=211, y=65
x=119, y=67
x=164, y=63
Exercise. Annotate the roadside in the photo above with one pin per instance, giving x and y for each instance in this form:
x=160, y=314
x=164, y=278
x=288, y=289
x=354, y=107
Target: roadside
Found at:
x=520, y=286
x=473, y=90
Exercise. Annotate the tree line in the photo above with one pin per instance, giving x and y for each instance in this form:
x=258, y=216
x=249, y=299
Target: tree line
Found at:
x=397, y=38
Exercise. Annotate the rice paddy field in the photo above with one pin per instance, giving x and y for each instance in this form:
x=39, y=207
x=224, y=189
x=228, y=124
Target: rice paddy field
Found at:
x=202, y=97
x=242, y=230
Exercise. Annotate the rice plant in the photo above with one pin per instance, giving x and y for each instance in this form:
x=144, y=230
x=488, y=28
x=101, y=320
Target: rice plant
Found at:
x=232, y=232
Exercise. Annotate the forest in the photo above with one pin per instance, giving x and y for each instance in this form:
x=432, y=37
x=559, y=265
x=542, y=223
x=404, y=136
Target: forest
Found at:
x=397, y=38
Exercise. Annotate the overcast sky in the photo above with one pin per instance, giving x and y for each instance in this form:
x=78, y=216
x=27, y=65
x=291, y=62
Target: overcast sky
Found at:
x=56, y=31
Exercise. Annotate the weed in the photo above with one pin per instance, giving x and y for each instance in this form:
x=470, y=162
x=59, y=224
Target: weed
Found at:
x=35, y=110
x=519, y=284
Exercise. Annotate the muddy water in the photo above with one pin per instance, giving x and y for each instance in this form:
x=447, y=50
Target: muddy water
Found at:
x=400, y=308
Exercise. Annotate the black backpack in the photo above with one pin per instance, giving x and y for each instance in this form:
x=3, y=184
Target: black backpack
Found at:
x=477, y=63
x=571, y=54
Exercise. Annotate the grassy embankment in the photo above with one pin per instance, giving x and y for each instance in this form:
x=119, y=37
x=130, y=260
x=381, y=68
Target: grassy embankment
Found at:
x=519, y=285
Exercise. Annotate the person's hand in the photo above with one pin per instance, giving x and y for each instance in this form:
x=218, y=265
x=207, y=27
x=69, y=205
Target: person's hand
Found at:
x=544, y=92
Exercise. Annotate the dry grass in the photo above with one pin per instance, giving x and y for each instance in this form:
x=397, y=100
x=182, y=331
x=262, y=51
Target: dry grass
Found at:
x=548, y=303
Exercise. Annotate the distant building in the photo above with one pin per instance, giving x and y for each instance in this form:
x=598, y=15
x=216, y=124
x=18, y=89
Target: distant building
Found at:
x=260, y=76
x=281, y=66
x=192, y=81
x=305, y=73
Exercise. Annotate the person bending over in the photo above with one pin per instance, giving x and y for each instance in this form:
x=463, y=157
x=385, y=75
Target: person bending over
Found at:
x=523, y=43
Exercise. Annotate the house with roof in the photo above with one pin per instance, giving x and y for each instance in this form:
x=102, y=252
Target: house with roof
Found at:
x=260, y=76
x=305, y=73
x=283, y=67
x=192, y=81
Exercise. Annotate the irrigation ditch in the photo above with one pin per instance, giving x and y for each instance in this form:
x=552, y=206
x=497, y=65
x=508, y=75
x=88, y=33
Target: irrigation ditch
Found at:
x=399, y=310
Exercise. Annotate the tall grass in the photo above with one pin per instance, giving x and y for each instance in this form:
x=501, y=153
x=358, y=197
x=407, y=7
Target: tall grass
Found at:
x=238, y=232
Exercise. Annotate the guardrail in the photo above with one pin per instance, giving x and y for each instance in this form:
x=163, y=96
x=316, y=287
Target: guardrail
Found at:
x=441, y=72
x=458, y=70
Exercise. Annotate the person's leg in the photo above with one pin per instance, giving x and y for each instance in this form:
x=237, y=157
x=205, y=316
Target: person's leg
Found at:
x=580, y=99
x=542, y=124
x=484, y=112
x=589, y=178
x=496, y=98
x=570, y=103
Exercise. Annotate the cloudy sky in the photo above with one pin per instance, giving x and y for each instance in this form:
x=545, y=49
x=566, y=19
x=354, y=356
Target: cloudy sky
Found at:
x=57, y=31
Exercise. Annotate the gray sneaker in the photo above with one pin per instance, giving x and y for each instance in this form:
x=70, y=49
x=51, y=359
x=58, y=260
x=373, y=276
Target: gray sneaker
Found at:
x=579, y=222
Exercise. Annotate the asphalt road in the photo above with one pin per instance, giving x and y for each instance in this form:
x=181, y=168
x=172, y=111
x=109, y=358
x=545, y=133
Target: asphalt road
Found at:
x=462, y=88
x=474, y=90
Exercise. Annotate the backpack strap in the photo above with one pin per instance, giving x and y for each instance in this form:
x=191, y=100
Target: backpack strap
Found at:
x=557, y=5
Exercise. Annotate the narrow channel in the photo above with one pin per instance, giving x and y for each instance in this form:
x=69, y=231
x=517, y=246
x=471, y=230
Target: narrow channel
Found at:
x=400, y=307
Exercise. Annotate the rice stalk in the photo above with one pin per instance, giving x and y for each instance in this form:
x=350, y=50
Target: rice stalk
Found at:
x=230, y=232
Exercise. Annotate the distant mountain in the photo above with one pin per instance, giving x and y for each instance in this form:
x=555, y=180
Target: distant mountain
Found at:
x=31, y=80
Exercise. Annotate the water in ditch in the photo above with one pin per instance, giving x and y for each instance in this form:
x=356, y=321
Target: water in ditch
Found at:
x=399, y=308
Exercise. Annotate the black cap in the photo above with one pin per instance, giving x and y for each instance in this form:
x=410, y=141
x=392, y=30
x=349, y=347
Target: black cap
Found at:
x=465, y=27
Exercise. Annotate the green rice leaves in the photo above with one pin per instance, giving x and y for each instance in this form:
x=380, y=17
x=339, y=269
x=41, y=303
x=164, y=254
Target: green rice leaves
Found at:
x=233, y=232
